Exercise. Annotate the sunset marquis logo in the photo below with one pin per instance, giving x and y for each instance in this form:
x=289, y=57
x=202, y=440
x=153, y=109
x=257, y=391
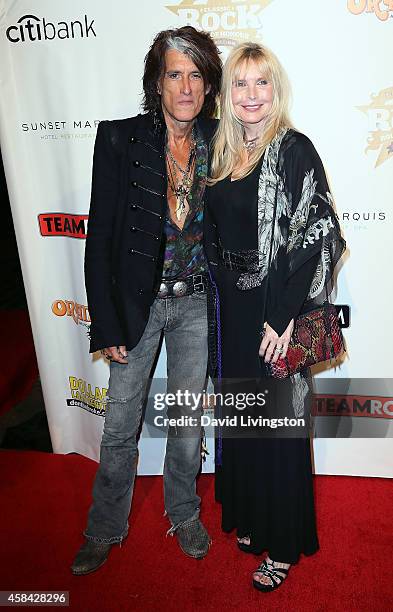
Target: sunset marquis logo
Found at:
x=86, y=396
x=383, y=9
x=63, y=224
x=60, y=129
x=362, y=219
x=380, y=116
x=227, y=21
x=31, y=28
x=68, y=308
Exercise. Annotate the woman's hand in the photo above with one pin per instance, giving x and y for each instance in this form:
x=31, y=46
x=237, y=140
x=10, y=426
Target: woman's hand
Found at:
x=274, y=346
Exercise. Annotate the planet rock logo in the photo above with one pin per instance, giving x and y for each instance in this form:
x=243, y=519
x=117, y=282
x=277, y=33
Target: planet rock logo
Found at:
x=380, y=115
x=228, y=23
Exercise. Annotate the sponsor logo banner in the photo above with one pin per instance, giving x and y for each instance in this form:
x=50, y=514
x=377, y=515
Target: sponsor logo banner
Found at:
x=61, y=129
x=228, y=22
x=382, y=9
x=63, y=224
x=78, y=312
x=86, y=396
x=353, y=406
x=33, y=29
x=380, y=115
x=362, y=219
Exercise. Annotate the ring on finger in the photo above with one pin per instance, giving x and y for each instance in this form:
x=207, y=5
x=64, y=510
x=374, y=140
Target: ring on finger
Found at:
x=279, y=349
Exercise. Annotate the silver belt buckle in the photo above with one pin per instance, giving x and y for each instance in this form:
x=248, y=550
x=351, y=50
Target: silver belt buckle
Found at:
x=163, y=291
x=199, y=286
x=179, y=288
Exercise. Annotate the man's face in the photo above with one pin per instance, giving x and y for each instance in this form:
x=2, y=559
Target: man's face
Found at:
x=181, y=87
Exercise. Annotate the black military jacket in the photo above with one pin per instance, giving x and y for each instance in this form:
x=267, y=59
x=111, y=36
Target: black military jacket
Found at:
x=125, y=236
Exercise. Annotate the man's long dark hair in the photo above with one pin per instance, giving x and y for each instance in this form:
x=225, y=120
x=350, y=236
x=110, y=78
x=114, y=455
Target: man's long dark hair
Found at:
x=200, y=48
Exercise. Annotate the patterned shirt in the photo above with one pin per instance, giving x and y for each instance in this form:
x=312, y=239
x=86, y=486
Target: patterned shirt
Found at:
x=184, y=253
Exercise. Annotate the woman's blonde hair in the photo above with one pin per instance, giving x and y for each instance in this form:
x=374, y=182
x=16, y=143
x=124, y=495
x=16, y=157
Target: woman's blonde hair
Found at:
x=228, y=142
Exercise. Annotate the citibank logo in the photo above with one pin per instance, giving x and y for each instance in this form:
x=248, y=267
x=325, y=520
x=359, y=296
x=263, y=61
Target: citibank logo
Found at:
x=228, y=22
x=31, y=28
x=382, y=9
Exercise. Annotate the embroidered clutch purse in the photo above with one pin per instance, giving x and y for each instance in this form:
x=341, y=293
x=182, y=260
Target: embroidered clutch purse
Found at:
x=316, y=337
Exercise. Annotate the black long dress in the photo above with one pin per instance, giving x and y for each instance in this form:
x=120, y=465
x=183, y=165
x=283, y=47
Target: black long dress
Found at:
x=264, y=484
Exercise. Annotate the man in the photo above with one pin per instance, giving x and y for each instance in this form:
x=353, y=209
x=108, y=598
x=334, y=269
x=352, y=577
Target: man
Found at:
x=145, y=273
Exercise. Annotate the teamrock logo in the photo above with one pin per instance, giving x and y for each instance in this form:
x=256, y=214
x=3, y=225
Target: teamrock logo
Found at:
x=353, y=406
x=77, y=312
x=227, y=22
x=380, y=116
x=86, y=396
x=383, y=9
x=31, y=28
x=63, y=224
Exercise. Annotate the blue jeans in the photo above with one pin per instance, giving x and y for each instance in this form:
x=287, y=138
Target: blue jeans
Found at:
x=183, y=320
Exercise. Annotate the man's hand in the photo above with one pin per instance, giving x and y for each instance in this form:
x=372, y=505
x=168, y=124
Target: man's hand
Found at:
x=115, y=353
x=272, y=346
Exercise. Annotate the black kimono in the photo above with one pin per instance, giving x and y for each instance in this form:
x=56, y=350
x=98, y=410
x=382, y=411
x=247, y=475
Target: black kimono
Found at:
x=264, y=483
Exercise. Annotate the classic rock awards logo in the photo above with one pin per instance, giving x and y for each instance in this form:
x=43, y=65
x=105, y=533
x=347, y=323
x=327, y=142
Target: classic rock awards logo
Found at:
x=33, y=29
x=382, y=9
x=228, y=22
x=380, y=115
x=86, y=396
x=63, y=224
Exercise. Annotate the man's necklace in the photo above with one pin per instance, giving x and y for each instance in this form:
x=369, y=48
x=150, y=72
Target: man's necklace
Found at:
x=181, y=187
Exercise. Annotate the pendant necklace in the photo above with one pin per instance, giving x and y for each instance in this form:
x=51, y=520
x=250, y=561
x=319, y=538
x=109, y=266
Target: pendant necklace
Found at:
x=250, y=145
x=181, y=187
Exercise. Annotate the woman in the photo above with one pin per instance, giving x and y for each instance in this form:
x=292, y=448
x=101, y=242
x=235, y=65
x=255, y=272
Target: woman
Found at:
x=264, y=173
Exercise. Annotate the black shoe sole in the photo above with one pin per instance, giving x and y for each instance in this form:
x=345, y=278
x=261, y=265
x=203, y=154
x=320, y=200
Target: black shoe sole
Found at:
x=90, y=571
x=248, y=548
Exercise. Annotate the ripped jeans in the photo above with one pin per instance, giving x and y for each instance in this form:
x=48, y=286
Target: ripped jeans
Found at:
x=183, y=320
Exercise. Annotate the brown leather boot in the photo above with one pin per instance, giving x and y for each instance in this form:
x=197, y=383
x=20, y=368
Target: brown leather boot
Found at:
x=90, y=557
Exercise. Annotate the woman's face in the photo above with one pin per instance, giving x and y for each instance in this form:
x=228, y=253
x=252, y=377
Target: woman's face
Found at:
x=252, y=95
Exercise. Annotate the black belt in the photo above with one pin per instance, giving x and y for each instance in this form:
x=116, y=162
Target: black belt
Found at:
x=241, y=261
x=197, y=283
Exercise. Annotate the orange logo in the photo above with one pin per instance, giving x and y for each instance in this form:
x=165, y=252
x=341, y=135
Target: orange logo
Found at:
x=380, y=116
x=78, y=312
x=381, y=8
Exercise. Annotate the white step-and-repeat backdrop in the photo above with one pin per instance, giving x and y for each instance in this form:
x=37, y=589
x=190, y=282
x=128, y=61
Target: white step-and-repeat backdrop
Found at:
x=67, y=65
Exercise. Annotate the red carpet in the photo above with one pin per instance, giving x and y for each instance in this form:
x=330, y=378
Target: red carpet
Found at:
x=44, y=503
x=19, y=366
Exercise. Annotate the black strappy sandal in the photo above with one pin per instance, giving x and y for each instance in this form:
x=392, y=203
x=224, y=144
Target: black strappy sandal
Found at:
x=267, y=569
